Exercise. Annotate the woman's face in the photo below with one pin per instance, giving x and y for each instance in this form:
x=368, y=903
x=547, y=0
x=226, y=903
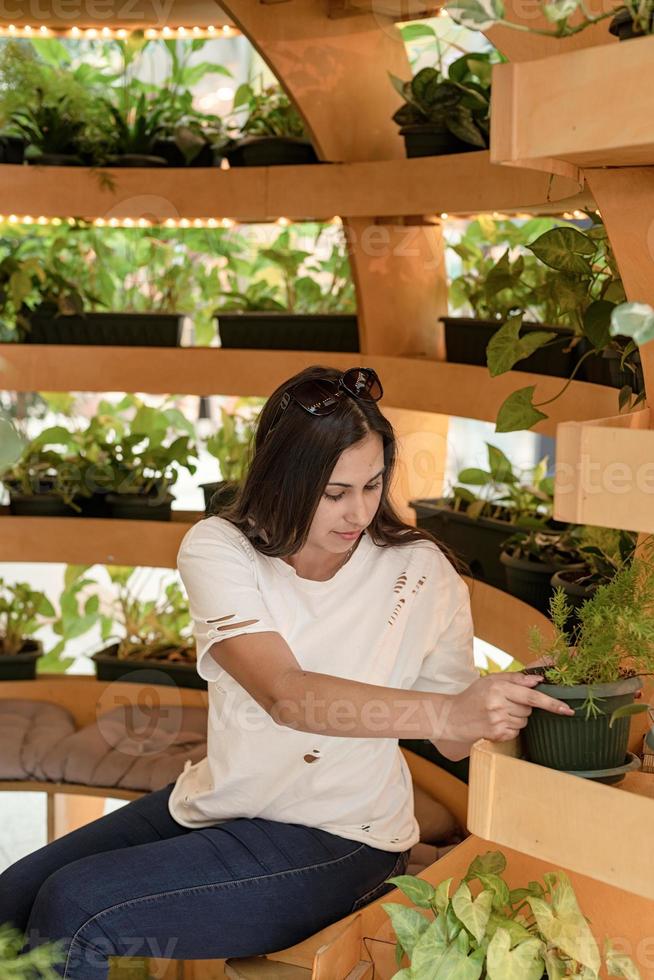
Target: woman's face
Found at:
x=351, y=497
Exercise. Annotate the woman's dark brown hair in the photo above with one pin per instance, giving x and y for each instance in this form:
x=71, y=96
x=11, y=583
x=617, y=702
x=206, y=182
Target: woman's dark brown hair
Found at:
x=288, y=472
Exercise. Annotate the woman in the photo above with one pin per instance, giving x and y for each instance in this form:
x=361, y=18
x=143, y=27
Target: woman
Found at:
x=327, y=629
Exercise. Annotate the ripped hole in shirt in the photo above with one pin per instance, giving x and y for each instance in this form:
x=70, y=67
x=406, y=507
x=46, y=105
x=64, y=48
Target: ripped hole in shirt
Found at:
x=231, y=626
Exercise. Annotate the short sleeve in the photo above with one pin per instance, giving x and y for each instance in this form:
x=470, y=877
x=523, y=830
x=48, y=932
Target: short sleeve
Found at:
x=217, y=567
x=448, y=666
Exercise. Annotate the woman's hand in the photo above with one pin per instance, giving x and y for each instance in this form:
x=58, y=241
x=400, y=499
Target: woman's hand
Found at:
x=498, y=706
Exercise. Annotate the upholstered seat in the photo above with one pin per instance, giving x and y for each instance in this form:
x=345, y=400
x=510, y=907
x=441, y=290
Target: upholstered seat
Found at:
x=28, y=729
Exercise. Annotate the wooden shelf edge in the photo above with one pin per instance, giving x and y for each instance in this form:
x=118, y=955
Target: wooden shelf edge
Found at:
x=504, y=621
x=409, y=382
x=604, y=472
x=568, y=128
x=553, y=816
x=424, y=186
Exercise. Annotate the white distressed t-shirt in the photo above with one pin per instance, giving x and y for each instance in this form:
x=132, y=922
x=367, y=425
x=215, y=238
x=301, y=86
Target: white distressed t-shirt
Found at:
x=397, y=617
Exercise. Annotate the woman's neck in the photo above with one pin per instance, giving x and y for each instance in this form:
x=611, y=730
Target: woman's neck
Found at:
x=316, y=567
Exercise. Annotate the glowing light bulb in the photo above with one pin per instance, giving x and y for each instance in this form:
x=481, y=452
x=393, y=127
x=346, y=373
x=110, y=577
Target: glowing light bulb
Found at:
x=121, y=33
x=75, y=32
x=91, y=32
x=43, y=29
x=184, y=223
x=211, y=29
x=283, y=222
x=227, y=223
x=106, y=32
x=99, y=222
x=166, y=31
x=444, y=215
x=170, y=223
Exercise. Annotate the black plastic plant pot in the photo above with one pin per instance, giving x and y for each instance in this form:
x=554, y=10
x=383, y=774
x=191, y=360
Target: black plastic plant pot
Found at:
x=424, y=140
x=269, y=151
x=576, y=592
x=171, y=673
x=138, y=160
x=475, y=541
x=169, y=151
x=623, y=27
x=606, y=368
x=12, y=149
x=466, y=339
x=50, y=504
x=219, y=495
x=581, y=744
x=289, y=331
x=139, y=507
x=20, y=666
x=530, y=581
x=56, y=160
x=105, y=329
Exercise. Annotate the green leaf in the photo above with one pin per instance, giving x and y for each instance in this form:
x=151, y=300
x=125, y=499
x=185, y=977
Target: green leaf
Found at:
x=442, y=896
x=620, y=965
x=624, y=396
x=477, y=15
x=558, y=10
x=597, y=323
x=518, y=412
x=557, y=967
x=562, y=923
x=419, y=891
x=498, y=888
x=565, y=249
x=506, y=347
x=523, y=962
x=11, y=445
x=475, y=477
x=500, y=465
x=490, y=863
x=428, y=951
x=626, y=711
x=408, y=924
x=474, y=914
x=413, y=32
x=635, y=320
x=515, y=929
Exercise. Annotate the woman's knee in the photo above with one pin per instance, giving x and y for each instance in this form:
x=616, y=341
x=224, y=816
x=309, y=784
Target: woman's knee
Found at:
x=19, y=886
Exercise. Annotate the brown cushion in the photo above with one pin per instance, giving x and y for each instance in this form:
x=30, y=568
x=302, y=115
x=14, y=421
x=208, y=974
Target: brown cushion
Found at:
x=130, y=748
x=28, y=729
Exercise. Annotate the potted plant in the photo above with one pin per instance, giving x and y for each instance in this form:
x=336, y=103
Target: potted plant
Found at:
x=145, y=634
x=446, y=111
x=493, y=290
x=531, y=558
x=289, y=299
x=484, y=509
x=23, y=611
x=596, y=668
x=272, y=133
x=630, y=19
x=603, y=551
x=36, y=963
x=230, y=445
x=485, y=929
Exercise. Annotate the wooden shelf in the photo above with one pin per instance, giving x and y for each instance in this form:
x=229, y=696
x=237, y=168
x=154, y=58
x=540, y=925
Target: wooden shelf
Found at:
x=554, y=816
x=605, y=472
x=400, y=10
x=85, y=541
x=504, y=621
x=409, y=382
x=131, y=16
x=563, y=109
x=458, y=184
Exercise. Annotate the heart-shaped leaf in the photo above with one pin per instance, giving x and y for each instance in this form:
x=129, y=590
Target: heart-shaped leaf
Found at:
x=408, y=924
x=523, y=962
x=566, y=250
x=473, y=913
x=620, y=965
x=478, y=15
x=518, y=412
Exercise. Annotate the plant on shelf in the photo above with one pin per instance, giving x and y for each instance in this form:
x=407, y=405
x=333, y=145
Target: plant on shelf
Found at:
x=484, y=506
x=603, y=551
x=272, y=131
x=37, y=964
x=596, y=667
x=484, y=928
x=23, y=612
x=230, y=445
x=134, y=631
x=631, y=19
x=531, y=558
x=447, y=110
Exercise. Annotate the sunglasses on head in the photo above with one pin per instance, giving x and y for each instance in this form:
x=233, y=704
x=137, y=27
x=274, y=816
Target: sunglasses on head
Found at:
x=322, y=395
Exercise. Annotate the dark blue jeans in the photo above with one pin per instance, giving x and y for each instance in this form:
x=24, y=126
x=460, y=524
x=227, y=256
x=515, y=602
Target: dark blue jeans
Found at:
x=137, y=883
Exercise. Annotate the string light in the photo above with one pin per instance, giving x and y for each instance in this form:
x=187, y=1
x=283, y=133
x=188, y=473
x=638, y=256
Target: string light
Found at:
x=12, y=30
x=283, y=222
x=444, y=215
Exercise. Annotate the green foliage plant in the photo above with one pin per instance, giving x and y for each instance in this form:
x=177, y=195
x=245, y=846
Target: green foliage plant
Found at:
x=567, y=17
x=231, y=444
x=485, y=929
x=23, y=611
x=454, y=100
x=37, y=964
x=269, y=112
x=504, y=493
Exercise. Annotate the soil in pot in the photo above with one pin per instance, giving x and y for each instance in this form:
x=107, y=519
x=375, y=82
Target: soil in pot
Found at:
x=269, y=151
x=530, y=581
x=140, y=507
x=218, y=496
x=105, y=329
x=20, y=666
x=289, y=331
x=424, y=140
x=178, y=673
x=12, y=149
x=466, y=339
x=580, y=743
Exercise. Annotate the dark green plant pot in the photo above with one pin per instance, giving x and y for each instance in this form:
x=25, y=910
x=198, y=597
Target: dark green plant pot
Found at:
x=466, y=339
x=269, y=151
x=289, y=331
x=605, y=369
x=424, y=140
x=105, y=329
x=219, y=495
x=12, y=149
x=579, y=744
x=45, y=503
x=139, y=507
x=55, y=160
x=530, y=581
x=21, y=666
x=109, y=668
x=171, y=153
x=137, y=160
x=622, y=26
x=576, y=592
